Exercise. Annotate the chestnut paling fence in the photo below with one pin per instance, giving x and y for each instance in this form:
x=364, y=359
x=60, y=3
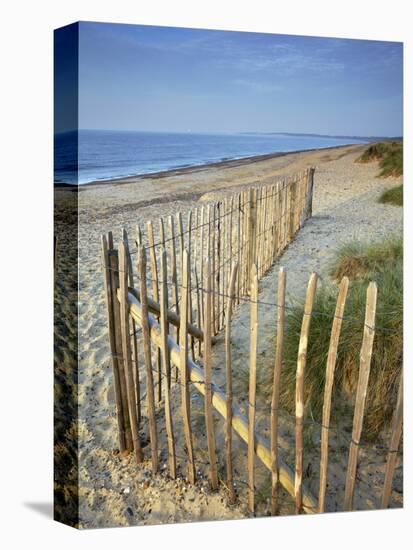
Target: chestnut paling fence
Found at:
x=182, y=293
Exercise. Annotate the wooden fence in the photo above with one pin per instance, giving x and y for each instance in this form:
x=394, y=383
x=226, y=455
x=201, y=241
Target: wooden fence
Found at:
x=224, y=249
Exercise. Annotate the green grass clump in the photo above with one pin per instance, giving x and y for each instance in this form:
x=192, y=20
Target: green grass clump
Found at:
x=383, y=263
x=392, y=196
x=390, y=157
x=356, y=260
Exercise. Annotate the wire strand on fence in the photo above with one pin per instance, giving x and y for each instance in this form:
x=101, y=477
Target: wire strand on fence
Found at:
x=314, y=313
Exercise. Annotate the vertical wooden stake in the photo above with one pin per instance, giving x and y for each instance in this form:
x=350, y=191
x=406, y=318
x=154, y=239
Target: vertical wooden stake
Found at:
x=308, y=206
x=252, y=386
x=174, y=276
x=134, y=333
x=291, y=220
x=166, y=366
x=217, y=270
x=162, y=243
x=201, y=258
x=209, y=421
x=240, y=246
x=114, y=282
x=282, y=281
x=396, y=433
x=124, y=314
x=112, y=341
x=183, y=344
x=190, y=308
x=328, y=389
x=213, y=268
x=198, y=309
x=299, y=391
x=252, y=230
x=155, y=294
x=181, y=242
x=228, y=371
x=364, y=373
x=148, y=360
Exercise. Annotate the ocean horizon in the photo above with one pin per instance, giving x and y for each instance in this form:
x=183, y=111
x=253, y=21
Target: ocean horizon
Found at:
x=110, y=154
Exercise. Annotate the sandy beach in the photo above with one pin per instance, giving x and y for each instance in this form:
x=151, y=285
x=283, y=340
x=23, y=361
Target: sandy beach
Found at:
x=113, y=490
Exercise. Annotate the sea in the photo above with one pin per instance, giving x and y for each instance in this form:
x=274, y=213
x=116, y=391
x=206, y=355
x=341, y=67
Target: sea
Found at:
x=86, y=156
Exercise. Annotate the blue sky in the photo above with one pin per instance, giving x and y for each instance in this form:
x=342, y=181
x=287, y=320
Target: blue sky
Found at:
x=170, y=79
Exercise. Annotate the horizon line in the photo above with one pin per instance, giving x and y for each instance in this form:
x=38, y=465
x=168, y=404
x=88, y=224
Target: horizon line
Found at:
x=239, y=132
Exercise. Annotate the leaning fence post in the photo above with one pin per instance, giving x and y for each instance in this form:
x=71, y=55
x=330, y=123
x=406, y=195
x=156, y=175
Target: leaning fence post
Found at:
x=112, y=341
x=126, y=348
x=228, y=371
x=299, y=390
x=282, y=279
x=148, y=360
x=183, y=344
x=328, y=388
x=155, y=293
x=396, y=433
x=364, y=373
x=252, y=385
x=114, y=281
x=164, y=281
x=209, y=421
x=134, y=332
x=166, y=367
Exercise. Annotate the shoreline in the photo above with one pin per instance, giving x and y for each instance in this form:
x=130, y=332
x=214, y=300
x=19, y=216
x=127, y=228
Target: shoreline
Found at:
x=196, y=168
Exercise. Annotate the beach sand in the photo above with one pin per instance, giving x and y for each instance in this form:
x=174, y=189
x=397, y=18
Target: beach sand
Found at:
x=113, y=489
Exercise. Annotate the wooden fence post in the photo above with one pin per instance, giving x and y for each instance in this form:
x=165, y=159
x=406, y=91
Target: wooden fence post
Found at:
x=308, y=206
x=228, y=371
x=112, y=341
x=183, y=343
x=282, y=280
x=134, y=334
x=165, y=281
x=396, y=433
x=114, y=276
x=201, y=260
x=328, y=389
x=364, y=373
x=291, y=217
x=148, y=359
x=252, y=386
x=209, y=421
x=190, y=306
x=299, y=390
x=252, y=232
x=166, y=366
x=155, y=294
x=124, y=318
x=174, y=275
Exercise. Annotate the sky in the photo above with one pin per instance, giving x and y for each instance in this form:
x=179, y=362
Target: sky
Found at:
x=179, y=80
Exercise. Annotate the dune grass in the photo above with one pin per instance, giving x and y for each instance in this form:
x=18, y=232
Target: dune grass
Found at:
x=392, y=196
x=383, y=263
x=390, y=157
x=360, y=261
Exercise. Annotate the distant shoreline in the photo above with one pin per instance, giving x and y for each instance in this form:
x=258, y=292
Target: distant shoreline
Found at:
x=201, y=167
